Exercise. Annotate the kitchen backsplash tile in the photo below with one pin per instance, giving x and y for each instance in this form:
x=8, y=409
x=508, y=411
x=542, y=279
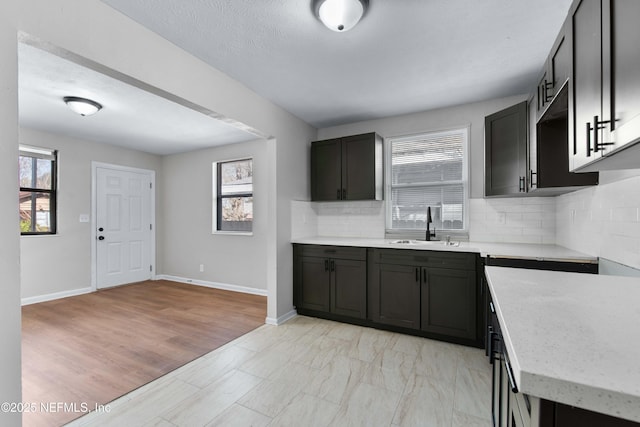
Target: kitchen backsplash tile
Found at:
x=513, y=220
x=351, y=219
x=330, y=219
x=304, y=220
x=602, y=221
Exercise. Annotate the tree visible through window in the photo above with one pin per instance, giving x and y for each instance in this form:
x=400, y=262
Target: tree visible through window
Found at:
x=37, y=175
x=234, y=195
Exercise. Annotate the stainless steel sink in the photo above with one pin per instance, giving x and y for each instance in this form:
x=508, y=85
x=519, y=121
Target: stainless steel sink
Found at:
x=424, y=242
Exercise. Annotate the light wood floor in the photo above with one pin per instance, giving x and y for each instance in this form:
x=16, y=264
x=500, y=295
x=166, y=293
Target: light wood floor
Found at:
x=312, y=372
x=91, y=349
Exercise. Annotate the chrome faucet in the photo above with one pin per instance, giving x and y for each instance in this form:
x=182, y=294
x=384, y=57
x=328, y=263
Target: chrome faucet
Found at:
x=429, y=233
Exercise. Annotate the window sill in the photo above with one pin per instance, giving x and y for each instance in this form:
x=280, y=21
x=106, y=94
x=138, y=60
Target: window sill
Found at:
x=233, y=233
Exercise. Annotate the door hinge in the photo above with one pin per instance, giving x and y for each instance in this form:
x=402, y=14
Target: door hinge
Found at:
x=150, y=226
x=150, y=186
x=151, y=268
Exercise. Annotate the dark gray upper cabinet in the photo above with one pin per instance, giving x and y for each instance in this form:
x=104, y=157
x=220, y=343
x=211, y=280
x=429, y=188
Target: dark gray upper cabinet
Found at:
x=555, y=73
x=326, y=170
x=604, y=98
x=506, y=151
x=549, y=157
x=348, y=168
x=528, y=158
x=586, y=82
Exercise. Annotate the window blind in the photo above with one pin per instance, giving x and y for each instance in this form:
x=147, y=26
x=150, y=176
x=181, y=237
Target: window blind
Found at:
x=428, y=170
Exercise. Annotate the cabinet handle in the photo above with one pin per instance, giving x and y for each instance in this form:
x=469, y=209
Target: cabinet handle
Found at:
x=326, y=265
x=595, y=134
x=338, y=195
x=533, y=184
x=417, y=274
x=493, y=310
x=344, y=194
x=521, y=186
x=597, y=125
x=490, y=343
x=589, y=128
x=547, y=86
x=333, y=265
x=512, y=382
x=424, y=275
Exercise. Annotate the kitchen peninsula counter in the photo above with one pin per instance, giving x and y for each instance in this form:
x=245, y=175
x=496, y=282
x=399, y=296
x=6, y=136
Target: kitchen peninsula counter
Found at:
x=572, y=338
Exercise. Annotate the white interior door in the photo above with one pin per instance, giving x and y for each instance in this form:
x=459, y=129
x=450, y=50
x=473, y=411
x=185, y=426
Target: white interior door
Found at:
x=123, y=227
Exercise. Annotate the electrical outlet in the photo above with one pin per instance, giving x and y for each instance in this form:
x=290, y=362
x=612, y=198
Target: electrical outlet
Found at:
x=201, y=268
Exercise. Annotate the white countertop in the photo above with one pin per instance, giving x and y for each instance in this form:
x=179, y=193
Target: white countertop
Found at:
x=572, y=338
x=511, y=250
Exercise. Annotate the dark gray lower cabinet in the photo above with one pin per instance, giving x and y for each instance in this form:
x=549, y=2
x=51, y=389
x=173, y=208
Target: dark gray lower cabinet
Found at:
x=314, y=284
x=330, y=279
x=448, y=302
x=394, y=295
x=428, y=291
x=348, y=287
x=421, y=292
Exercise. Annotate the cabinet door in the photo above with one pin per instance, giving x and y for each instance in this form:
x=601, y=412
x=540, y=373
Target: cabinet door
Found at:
x=359, y=167
x=314, y=283
x=449, y=302
x=621, y=33
x=586, y=98
x=395, y=295
x=559, y=63
x=326, y=170
x=506, y=151
x=349, y=288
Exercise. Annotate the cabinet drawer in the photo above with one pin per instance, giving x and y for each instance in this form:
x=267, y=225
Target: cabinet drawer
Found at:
x=341, y=252
x=424, y=258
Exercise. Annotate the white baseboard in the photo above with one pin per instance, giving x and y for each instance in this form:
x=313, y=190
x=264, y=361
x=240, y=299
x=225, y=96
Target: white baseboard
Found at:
x=280, y=320
x=56, y=295
x=215, y=285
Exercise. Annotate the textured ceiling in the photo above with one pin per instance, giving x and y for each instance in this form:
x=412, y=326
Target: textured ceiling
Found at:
x=131, y=117
x=404, y=56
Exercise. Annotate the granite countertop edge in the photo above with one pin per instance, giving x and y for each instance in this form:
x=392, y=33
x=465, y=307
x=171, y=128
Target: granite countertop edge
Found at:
x=540, y=252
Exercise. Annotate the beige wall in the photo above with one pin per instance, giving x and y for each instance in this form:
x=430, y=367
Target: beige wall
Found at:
x=61, y=263
x=235, y=260
x=445, y=118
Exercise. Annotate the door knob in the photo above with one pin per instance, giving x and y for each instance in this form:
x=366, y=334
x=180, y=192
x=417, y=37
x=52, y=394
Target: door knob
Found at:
x=100, y=237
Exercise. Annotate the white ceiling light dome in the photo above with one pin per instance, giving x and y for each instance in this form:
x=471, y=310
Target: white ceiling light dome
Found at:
x=82, y=106
x=341, y=15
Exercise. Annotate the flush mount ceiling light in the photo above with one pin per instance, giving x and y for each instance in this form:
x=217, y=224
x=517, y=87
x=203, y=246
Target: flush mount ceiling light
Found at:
x=82, y=106
x=340, y=15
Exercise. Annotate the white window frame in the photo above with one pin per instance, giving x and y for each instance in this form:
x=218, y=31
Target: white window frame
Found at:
x=390, y=232
x=214, y=201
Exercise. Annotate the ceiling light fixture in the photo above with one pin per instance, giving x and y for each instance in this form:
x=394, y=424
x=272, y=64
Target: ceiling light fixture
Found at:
x=340, y=15
x=82, y=106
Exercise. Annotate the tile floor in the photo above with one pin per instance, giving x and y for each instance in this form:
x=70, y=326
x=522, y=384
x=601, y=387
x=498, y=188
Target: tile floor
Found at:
x=313, y=372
